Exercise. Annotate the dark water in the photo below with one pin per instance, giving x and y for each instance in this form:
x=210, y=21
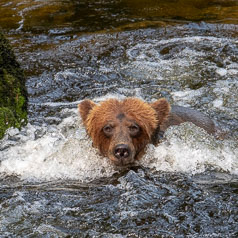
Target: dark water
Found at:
x=60, y=17
x=136, y=204
x=53, y=184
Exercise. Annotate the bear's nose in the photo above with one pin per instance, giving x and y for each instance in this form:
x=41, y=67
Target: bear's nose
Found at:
x=122, y=151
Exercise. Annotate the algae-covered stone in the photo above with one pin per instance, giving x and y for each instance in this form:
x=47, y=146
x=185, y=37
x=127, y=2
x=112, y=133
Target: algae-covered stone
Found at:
x=13, y=95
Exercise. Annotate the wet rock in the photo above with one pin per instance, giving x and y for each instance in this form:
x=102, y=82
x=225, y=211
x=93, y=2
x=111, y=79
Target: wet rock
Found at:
x=13, y=95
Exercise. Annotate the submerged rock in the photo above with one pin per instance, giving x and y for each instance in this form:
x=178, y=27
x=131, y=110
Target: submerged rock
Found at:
x=13, y=95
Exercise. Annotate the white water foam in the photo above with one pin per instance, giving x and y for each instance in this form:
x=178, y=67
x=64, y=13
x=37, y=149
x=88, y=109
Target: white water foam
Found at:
x=178, y=59
x=64, y=152
x=190, y=149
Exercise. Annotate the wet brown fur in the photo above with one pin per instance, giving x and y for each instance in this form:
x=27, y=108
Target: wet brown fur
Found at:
x=121, y=113
x=152, y=118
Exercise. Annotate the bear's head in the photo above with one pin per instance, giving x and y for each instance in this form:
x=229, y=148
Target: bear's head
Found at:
x=121, y=129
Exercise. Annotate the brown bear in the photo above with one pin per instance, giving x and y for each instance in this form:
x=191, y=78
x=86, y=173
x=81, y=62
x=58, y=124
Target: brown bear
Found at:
x=121, y=129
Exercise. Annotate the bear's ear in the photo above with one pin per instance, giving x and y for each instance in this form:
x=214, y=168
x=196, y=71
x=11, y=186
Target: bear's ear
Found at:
x=84, y=108
x=162, y=109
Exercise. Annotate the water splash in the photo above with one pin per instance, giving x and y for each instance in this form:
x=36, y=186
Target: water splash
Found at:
x=65, y=151
x=191, y=150
x=62, y=152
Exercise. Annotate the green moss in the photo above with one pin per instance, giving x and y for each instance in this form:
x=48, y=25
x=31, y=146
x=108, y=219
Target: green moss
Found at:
x=7, y=119
x=13, y=95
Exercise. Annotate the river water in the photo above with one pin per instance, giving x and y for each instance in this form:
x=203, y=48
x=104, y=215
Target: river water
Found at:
x=53, y=183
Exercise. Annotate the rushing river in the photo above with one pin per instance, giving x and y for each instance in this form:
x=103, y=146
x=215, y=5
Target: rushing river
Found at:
x=53, y=183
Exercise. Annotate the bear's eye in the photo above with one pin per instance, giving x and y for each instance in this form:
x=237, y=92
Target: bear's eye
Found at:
x=134, y=130
x=108, y=129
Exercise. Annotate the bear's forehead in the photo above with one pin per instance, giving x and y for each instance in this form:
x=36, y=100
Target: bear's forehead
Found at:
x=128, y=104
x=130, y=108
x=120, y=116
x=119, y=109
x=127, y=110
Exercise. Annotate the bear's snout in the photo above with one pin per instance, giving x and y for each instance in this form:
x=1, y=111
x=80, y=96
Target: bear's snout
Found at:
x=122, y=151
x=122, y=154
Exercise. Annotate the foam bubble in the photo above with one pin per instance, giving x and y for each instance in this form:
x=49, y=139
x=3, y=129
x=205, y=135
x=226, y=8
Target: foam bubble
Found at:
x=218, y=102
x=221, y=71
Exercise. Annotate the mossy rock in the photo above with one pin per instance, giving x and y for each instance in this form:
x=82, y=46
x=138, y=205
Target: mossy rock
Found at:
x=13, y=94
